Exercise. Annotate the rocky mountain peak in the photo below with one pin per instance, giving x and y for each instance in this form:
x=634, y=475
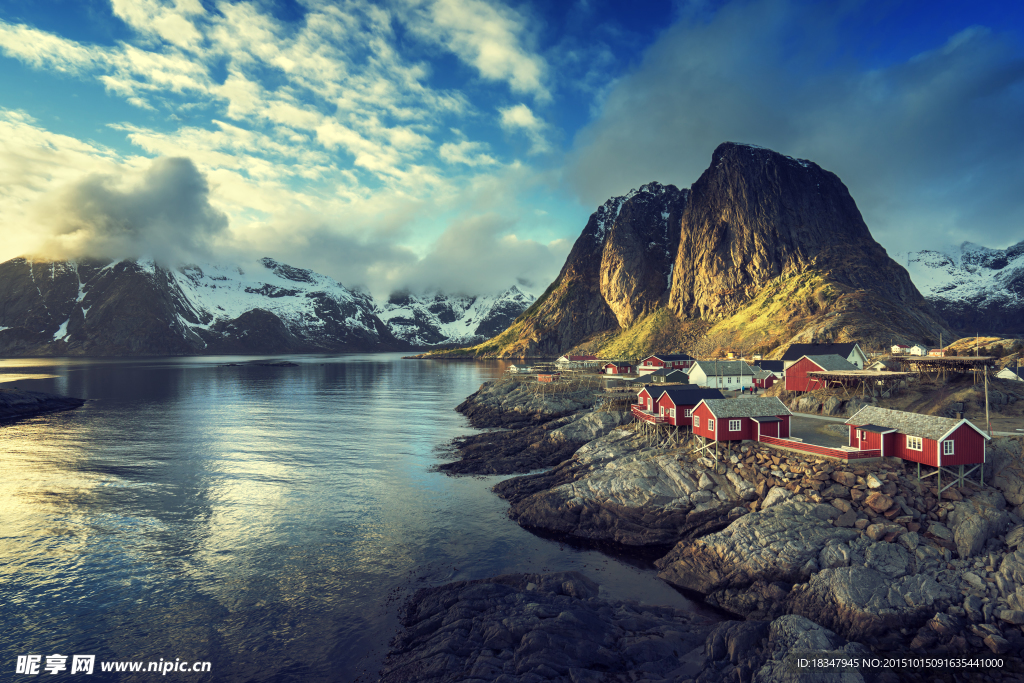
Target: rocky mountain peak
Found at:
x=754, y=215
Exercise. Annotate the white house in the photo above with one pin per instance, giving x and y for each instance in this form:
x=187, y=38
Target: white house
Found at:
x=722, y=374
x=918, y=350
x=900, y=349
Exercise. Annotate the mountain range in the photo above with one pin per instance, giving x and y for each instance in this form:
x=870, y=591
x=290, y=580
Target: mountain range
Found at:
x=974, y=288
x=138, y=308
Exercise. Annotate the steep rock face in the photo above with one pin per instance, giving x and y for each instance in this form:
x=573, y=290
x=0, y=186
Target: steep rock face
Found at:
x=637, y=260
x=617, y=268
x=975, y=288
x=755, y=215
x=130, y=308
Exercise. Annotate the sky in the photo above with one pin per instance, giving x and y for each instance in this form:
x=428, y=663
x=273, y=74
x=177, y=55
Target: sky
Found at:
x=461, y=145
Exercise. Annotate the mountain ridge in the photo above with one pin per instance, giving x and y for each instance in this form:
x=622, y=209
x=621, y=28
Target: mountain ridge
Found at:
x=763, y=250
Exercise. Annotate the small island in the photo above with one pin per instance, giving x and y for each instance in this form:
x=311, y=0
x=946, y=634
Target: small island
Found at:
x=19, y=403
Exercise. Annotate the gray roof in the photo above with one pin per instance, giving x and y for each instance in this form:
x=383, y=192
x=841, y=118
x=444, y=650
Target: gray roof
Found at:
x=914, y=424
x=797, y=351
x=763, y=374
x=831, y=361
x=761, y=406
x=723, y=367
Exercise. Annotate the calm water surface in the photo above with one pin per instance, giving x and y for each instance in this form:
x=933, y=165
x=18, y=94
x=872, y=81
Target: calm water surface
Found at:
x=269, y=520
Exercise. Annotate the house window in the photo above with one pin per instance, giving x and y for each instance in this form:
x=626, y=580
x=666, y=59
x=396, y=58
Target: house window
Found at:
x=672, y=412
x=688, y=412
x=696, y=420
x=662, y=410
x=650, y=404
x=711, y=424
x=914, y=443
x=734, y=425
x=947, y=448
x=860, y=434
x=728, y=380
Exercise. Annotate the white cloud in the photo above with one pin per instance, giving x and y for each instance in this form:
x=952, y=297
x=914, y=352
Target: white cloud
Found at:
x=485, y=36
x=169, y=21
x=519, y=118
x=466, y=152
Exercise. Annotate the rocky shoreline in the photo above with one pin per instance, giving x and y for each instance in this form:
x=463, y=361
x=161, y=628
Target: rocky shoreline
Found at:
x=19, y=403
x=859, y=550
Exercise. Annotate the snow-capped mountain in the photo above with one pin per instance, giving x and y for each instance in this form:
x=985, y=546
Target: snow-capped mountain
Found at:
x=136, y=307
x=975, y=288
x=426, y=320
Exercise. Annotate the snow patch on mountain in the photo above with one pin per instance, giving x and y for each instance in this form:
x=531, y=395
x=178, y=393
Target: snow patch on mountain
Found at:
x=971, y=284
x=219, y=292
x=437, y=318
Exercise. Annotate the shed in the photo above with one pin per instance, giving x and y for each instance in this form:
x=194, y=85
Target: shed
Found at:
x=741, y=418
x=926, y=439
x=617, y=368
x=668, y=375
x=722, y=374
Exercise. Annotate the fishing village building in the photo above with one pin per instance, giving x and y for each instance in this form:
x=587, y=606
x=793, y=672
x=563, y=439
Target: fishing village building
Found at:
x=797, y=378
x=722, y=374
x=851, y=351
x=741, y=418
x=617, y=368
x=925, y=439
x=676, y=361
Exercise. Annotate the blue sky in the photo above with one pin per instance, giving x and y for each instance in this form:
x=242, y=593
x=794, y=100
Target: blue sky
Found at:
x=462, y=144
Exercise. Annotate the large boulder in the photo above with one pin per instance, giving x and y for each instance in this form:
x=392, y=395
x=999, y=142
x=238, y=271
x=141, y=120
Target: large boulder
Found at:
x=590, y=426
x=781, y=543
x=976, y=520
x=860, y=601
x=832, y=406
x=1005, y=468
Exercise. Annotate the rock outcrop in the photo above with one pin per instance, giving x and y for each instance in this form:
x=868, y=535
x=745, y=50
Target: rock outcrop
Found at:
x=553, y=627
x=19, y=403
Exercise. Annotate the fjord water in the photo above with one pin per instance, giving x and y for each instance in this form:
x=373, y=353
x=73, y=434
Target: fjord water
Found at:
x=269, y=520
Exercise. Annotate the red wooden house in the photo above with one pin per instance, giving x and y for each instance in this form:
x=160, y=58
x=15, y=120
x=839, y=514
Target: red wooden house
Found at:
x=741, y=418
x=797, y=378
x=926, y=439
x=676, y=405
x=647, y=396
x=616, y=368
x=937, y=353
x=677, y=361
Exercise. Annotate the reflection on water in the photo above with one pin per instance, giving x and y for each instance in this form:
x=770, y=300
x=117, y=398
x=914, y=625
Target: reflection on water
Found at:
x=255, y=517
